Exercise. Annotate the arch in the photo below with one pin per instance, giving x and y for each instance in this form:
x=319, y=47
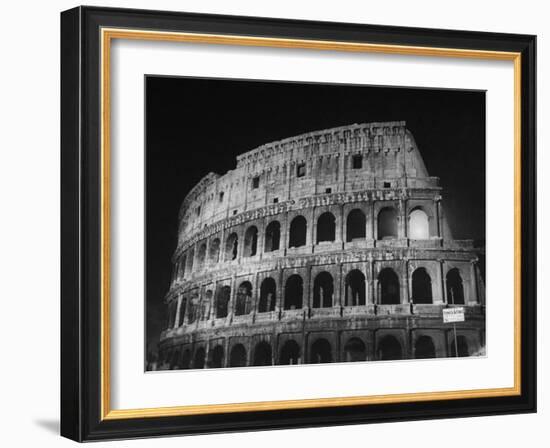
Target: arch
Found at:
x=272, y=236
x=421, y=286
x=198, y=359
x=323, y=290
x=183, y=308
x=462, y=345
x=298, y=232
x=424, y=348
x=355, y=350
x=244, y=296
x=172, y=310
x=190, y=257
x=182, y=267
x=201, y=256
x=356, y=225
x=355, y=288
x=455, y=288
x=290, y=353
x=222, y=301
x=251, y=241
x=214, y=253
x=294, y=289
x=387, y=223
x=326, y=227
x=262, y=354
x=268, y=295
x=321, y=352
x=216, y=357
x=237, y=358
x=388, y=286
x=174, y=359
x=419, y=225
x=186, y=359
x=389, y=348
x=231, y=247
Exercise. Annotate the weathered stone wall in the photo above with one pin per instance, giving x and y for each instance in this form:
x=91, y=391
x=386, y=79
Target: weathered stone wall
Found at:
x=373, y=257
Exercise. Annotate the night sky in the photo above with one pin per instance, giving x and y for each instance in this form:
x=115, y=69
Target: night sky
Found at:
x=194, y=126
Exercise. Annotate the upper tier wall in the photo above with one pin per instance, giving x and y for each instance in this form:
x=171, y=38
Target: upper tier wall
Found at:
x=348, y=158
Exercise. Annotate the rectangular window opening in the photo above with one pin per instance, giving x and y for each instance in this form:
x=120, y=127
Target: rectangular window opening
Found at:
x=357, y=162
x=301, y=170
x=256, y=182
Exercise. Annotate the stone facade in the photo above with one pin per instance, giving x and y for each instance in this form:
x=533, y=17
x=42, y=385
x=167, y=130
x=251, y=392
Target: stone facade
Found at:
x=330, y=246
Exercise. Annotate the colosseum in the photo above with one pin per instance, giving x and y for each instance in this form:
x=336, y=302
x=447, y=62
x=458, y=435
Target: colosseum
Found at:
x=330, y=246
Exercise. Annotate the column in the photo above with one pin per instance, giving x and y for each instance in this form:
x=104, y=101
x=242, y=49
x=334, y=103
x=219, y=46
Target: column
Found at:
x=373, y=285
x=177, y=319
x=405, y=282
x=474, y=299
x=443, y=282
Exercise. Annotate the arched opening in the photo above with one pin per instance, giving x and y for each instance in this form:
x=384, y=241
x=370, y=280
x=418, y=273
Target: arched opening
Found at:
x=387, y=223
x=222, y=301
x=201, y=256
x=455, y=289
x=326, y=227
x=388, y=286
x=421, y=286
x=290, y=353
x=389, y=348
x=262, y=354
x=293, y=292
x=216, y=357
x=244, y=296
x=174, y=361
x=183, y=308
x=231, y=247
x=355, y=350
x=186, y=359
x=272, y=236
x=356, y=225
x=419, y=225
x=462, y=345
x=189, y=264
x=198, y=359
x=251, y=241
x=355, y=288
x=298, y=231
x=323, y=290
x=172, y=309
x=237, y=358
x=182, y=266
x=424, y=348
x=192, y=311
x=321, y=352
x=268, y=290
x=214, y=255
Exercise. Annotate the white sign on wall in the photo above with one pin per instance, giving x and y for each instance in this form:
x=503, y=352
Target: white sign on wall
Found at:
x=453, y=315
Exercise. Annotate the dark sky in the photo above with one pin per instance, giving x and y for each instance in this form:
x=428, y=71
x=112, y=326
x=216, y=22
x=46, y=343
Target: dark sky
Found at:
x=194, y=126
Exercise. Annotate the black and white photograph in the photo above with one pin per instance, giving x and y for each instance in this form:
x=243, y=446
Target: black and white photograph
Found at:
x=294, y=223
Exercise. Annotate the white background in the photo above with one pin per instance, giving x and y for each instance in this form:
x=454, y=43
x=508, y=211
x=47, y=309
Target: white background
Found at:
x=131, y=388
x=29, y=229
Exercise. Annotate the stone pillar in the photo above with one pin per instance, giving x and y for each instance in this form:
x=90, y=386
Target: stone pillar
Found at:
x=443, y=282
x=402, y=211
x=373, y=285
x=405, y=299
x=232, y=299
x=474, y=298
x=340, y=229
x=371, y=222
x=308, y=296
x=178, y=309
x=280, y=292
x=439, y=217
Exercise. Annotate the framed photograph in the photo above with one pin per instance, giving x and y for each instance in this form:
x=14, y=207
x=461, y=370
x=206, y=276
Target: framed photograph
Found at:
x=275, y=224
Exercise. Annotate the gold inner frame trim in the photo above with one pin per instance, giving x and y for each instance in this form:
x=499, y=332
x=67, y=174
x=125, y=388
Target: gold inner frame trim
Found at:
x=107, y=35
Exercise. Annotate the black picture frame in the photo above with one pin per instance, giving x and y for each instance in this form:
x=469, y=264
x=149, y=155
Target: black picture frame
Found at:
x=81, y=288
